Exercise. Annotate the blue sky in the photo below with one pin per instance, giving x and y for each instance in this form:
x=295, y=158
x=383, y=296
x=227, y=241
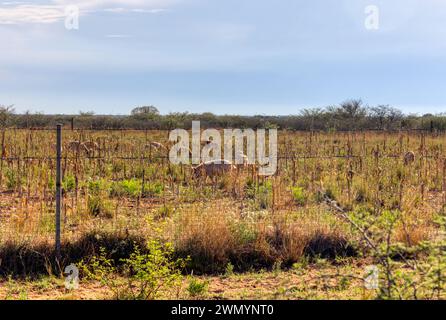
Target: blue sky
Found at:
x=226, y=57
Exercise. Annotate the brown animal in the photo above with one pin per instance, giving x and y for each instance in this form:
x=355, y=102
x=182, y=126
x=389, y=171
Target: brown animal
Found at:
x=409, y=158
x=91, y=145
x=76, y=147
x=156, y=145
x=213, y=168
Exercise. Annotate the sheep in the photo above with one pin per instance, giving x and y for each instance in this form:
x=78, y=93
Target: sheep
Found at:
x=77, y=147
x=409, y=158
x=213, y=168
x=90, y=145
x=156, y=145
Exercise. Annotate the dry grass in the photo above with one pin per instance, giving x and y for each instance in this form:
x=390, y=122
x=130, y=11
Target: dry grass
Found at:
x=31, y=259
x=130, y=191
x=214, y=237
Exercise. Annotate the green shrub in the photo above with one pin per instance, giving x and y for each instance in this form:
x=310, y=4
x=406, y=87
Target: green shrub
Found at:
x=153, y=189
x=263, y=196
x=130, y=188
x=260, y=193
x=147, y=275
x=133, y=188
x=97, y=187
x=197, y=288
x=68, y=183
x=299, y=195
x=12, y=180
x=244, y=233
x=98, y=206
x=229, y=270
x=51, y=184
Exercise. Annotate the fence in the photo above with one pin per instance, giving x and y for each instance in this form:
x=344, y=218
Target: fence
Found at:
x=32, y=166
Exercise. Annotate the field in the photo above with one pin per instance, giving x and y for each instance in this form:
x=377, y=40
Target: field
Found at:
x=139, y=227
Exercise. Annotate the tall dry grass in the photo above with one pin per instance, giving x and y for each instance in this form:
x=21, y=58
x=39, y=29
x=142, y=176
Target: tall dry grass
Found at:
x=215, y=237
x=249, y=221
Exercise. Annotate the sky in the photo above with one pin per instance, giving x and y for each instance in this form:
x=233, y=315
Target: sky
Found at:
x=246, y=57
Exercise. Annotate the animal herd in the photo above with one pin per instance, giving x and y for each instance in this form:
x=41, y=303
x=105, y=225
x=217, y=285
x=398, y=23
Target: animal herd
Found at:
x=211, y=168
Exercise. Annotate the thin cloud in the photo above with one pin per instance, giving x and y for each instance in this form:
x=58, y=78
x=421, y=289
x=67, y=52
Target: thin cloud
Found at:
x=98, y=4
x=13, y=3
x=136, y=10
x=148, y=10
x=21, y=14
x=15, y=12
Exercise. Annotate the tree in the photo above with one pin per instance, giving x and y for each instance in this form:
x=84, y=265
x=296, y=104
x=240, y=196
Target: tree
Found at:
x=312, y=117
x=352, y=109
x=146, y=112
x=348, y=115
x=5, y=115
x=312, y=113
x=86, y=113
x=176, y=120
x=386, y=115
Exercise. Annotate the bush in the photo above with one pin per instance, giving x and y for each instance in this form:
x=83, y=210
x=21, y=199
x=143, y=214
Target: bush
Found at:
x=68, y=183
x=97, y=206
x=262, y=193
x=130, y=188
x=97, y=187
x=133, y=188
x=12, y=180
x=147, y=275
x=153, y=189
x=215, y=242
x=299, y=195
x=197, y=288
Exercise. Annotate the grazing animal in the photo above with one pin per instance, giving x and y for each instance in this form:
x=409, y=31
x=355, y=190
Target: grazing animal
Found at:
x=409, y=158
x=156, y=145
x=91, y=145
x=77, y=147
x=213, y=168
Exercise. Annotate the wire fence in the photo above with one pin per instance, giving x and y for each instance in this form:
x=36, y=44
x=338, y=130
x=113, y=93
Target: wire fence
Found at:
x=166, y=158
x=434, y=131
x=28, y=188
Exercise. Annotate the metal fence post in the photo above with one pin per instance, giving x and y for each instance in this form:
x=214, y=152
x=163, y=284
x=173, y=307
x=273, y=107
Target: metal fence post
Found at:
x=58, y=187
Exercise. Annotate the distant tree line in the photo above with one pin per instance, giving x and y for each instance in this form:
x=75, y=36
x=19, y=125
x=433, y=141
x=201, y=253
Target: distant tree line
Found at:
x=349, y=115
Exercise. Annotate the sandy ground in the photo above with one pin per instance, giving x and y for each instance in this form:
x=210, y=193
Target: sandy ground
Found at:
x=319, y=281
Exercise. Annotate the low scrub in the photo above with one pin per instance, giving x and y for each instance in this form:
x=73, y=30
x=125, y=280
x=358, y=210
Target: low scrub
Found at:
x=147, y=273
x=214, y=241
x=29, y=259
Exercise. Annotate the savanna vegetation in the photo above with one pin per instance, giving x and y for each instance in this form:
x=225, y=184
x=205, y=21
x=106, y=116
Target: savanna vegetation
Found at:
x=347, y=116
x=139, y=227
